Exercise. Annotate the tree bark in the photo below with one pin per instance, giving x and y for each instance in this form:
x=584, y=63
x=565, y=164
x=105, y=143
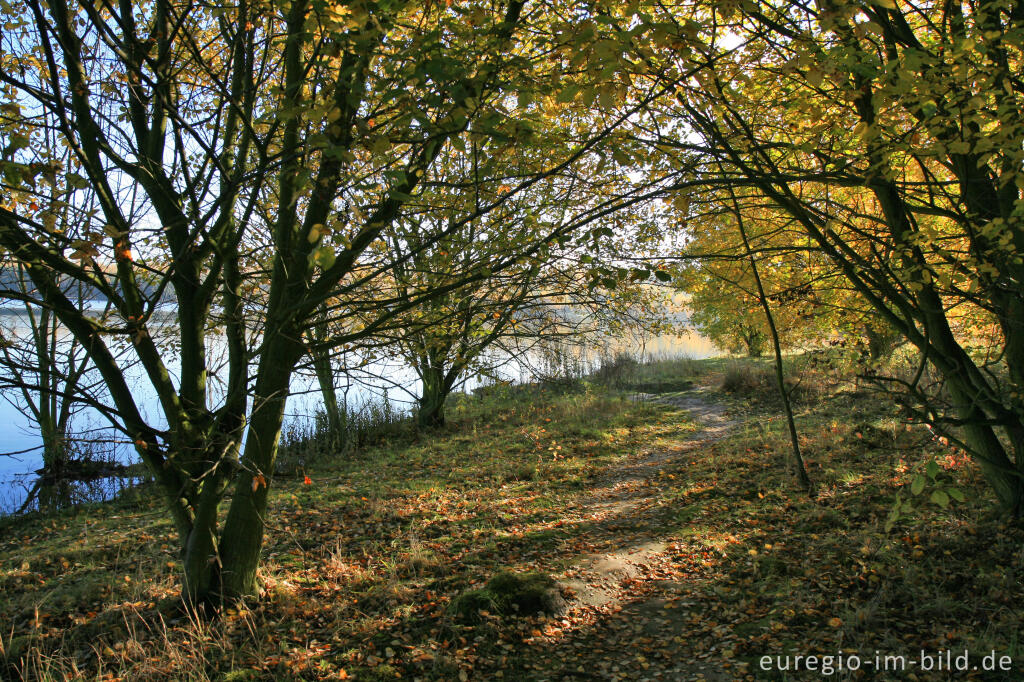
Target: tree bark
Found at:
x=432, y=401
x=242, y=533
x=324, y=371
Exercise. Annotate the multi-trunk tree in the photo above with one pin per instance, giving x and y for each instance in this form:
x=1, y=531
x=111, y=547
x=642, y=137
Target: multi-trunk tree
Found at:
x=44, y=370
x=245, y=162
x=546, y=295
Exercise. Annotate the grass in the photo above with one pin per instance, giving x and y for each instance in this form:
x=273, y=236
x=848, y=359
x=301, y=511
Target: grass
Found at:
x=510, y=594
x=362, y=567
x=385, y=536
x=310, y=441
x=649, y=375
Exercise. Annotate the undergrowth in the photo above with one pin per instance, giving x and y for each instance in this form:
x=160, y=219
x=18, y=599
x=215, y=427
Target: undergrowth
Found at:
x=363, y=564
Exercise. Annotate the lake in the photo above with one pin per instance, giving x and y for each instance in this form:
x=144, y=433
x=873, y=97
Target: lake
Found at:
x=397, y=383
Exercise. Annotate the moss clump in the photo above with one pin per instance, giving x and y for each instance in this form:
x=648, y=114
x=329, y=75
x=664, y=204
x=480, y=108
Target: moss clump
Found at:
x=468, y=605
x=511, y=594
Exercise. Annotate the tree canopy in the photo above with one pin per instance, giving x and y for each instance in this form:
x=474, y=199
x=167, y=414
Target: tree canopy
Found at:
x=889, y=135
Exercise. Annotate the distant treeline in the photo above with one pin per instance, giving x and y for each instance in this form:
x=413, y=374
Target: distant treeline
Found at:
x=14, y=284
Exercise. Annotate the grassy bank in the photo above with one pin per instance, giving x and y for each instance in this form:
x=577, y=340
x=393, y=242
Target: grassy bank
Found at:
x=364, y=561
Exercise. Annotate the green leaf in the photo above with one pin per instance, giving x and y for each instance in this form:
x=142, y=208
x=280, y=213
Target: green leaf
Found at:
x=12, y=172
x=323, y=256
x=917, y=486
x=663, y=276
x=894, y=515
x=940, y=498
x=589, y=94
x=18, y=141
x=397, y=177
x=606, y=98
x=932, y=469
x=640, y=275
x=568, y=94
x=956, y=494
x=76, y=181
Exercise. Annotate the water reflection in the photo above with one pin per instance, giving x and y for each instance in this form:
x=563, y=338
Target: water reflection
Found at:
x=54, y=494
x=21, y=488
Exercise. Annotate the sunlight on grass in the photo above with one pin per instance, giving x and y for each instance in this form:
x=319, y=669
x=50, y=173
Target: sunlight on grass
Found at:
x=363, y=564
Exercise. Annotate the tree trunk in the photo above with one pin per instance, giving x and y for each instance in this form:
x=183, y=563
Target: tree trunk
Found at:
x=332, y=408
x=881, y=341
x=200, y=567
x=432, y=401
x=780, y=379
x=1005, y=478
x=242, y=533
x=55, y=446
x=753, y=339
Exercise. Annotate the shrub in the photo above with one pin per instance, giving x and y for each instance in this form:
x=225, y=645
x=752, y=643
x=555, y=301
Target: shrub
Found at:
x=616, y=371
x=745, y=380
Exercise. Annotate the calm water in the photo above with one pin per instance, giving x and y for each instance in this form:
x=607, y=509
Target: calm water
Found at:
x=395, y=382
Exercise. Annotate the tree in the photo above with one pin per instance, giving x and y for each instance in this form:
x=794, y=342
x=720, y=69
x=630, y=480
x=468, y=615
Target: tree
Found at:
x=813, y=304
x=492, y=192
x=246, y=162
x=44, y=370
x=43, y=373
x=542, y=296
x=891, y=135
x=780, y=380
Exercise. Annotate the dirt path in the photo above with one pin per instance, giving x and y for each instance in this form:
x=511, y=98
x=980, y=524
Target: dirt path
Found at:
x=622, y=597
x=619, y=503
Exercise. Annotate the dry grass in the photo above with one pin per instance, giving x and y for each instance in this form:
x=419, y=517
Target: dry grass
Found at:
x=381, y=543
x=361, y=567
